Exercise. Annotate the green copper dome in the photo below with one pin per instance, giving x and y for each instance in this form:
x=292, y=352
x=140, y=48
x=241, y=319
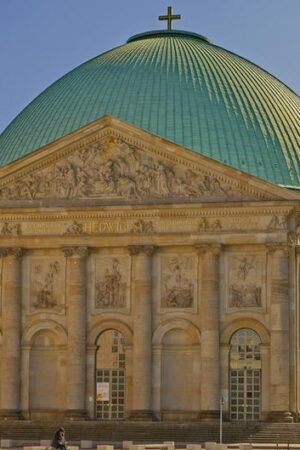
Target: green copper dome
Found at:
x=179, y=86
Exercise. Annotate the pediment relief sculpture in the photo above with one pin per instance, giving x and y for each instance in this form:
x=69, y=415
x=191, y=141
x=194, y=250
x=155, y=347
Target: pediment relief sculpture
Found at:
x=114, y=169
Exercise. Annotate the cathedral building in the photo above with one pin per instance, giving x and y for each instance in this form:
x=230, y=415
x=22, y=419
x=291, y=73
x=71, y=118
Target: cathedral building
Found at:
x=150, y=240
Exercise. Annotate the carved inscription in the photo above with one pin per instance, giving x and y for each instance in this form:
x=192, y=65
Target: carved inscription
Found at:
x=112, y=282
x=245, y=280
x=178, y=275
x=46, y=284
x=113, y=169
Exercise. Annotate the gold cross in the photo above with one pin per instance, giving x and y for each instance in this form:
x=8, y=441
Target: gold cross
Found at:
x=169, y=17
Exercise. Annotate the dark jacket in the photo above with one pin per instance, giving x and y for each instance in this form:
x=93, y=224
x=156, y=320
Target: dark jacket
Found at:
x=59, y=441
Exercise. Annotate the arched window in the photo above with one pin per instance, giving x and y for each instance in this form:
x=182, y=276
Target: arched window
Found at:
x=245, y=375
x=110, y=376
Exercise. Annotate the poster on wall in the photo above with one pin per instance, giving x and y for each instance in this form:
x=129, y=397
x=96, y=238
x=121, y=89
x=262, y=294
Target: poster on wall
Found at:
x=102, y=392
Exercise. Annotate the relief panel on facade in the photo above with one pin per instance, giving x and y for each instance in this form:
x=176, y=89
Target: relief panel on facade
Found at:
x=47, y=284
x=246, y=280
x=113, y=169
x=178, y=282
x=112, y=283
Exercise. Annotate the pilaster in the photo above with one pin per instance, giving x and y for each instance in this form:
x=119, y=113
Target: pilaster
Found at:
x=142, y=355
x=11, y=329
x=279, y=325
x=210, y=347
x=76, y=320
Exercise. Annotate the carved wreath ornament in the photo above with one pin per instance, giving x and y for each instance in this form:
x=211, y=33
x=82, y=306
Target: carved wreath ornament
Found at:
x=118, y=170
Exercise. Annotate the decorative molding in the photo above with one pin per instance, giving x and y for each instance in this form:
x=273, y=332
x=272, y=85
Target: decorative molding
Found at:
x=273, y=247
x=278, y=222
x=75, y=228
x=214, y=248
x=81, y=252
x=210, y=224
x=11, y=251
x=143, y=227
x=10, y=229
x=135, y=250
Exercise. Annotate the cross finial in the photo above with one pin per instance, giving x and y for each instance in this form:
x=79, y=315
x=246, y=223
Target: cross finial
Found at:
x=169, y=17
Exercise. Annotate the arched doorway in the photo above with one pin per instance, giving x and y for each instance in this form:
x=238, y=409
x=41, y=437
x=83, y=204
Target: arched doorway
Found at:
x=180, y=377
x=47, y=369
x=110, y=376
x=245, y=375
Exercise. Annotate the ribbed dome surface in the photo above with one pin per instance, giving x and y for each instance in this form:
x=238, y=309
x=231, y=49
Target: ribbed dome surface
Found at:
x=179, y=86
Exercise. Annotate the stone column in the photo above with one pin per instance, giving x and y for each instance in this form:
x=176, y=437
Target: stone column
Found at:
x=210, y=345
x=76, y=320
x=11, y=329
x=142, y=320
x=279, y=326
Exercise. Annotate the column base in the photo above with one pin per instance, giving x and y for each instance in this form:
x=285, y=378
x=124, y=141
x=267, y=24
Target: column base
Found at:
x=281, y=416
x=209, y=416
x=76, y=414
x=10, y=414
x=142, y=415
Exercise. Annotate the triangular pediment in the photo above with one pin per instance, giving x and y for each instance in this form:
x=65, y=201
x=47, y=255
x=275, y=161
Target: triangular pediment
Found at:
x=109, y=161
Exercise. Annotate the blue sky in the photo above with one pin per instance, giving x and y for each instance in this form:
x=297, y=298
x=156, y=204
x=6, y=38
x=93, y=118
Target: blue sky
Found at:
x=41, y=40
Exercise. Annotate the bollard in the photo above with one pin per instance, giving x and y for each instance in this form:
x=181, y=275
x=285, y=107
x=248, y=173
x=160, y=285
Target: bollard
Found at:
x=193, y=447
x=126, y=444
x=105, y=447
x=6, y=443
x=210, y=445
x=86, y=444
x=170, y=444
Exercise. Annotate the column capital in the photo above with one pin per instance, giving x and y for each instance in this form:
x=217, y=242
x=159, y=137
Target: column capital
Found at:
x=79, y=252
x=273, y=247
x=138, y=249
x=10, y=251
x=215, y=249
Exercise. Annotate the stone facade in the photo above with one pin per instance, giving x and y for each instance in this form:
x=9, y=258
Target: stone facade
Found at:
x=112, y=228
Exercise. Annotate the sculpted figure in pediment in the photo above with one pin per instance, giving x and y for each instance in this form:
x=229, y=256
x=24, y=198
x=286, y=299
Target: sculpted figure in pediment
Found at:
x=112, y=168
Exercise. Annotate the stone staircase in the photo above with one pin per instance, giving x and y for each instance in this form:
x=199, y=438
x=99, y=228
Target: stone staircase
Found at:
x=116, y=432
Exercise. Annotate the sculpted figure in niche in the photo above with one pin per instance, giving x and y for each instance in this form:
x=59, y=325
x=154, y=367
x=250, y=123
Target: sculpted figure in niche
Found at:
x=45, y=284
x=177, y=285
x=111, y=290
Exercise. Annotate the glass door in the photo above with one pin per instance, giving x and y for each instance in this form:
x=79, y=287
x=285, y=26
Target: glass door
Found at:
x=245, y=376
x=110, y=376
x=110, y=394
